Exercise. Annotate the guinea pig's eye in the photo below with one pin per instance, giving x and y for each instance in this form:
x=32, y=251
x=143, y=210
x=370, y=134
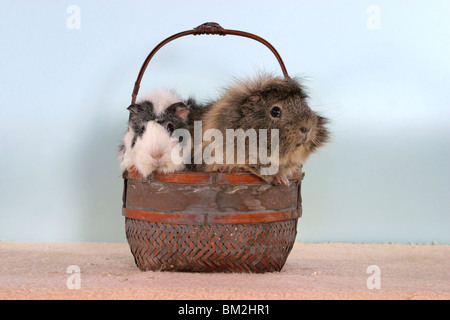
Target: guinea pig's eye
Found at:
x=170, y=127
x=275, y=112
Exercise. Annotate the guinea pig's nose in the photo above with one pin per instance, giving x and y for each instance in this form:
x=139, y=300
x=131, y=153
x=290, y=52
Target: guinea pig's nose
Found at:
x=157, y=155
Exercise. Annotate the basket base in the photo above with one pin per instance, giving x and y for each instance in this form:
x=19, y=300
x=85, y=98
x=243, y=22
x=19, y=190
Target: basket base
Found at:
x=250, y=247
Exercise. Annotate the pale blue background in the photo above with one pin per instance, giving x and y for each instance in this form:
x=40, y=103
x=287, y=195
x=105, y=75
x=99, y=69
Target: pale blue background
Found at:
x=63, y=97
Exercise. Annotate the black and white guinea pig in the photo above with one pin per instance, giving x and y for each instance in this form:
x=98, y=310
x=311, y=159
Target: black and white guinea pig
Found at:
x=147, y=144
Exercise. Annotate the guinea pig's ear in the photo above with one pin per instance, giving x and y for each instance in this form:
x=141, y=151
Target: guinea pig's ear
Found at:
x=179, y=109
x=255, y=98
x=134, y=108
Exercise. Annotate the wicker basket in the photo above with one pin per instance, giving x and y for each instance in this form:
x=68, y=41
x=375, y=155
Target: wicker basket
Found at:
x=209, y=222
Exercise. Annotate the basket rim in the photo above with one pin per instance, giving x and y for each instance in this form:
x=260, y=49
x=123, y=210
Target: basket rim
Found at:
x=206, y=177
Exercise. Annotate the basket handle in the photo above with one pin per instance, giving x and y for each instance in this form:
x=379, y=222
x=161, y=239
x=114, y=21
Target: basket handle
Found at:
x=205, y=28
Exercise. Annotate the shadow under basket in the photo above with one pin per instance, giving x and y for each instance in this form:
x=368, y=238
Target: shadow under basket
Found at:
x=210, y=222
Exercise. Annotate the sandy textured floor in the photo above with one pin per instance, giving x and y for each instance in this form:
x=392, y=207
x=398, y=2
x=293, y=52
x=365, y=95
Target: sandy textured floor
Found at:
x=312, y=271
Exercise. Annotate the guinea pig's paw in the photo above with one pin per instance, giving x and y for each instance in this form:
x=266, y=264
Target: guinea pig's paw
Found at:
x=225, y=169
x=278, y=179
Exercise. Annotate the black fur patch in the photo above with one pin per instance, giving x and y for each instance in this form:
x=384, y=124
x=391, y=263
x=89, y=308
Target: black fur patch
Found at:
x=142, y=113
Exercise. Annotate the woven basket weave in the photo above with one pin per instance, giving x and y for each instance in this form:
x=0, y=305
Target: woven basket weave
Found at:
x=209, y=222
x=255, y=247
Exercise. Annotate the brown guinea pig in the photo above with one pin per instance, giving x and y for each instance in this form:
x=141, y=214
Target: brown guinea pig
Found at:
x=257, y=106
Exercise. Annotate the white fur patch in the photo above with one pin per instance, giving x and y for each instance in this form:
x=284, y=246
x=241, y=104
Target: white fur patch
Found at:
x=161, y=99
x=126, y=157
x=145, y=155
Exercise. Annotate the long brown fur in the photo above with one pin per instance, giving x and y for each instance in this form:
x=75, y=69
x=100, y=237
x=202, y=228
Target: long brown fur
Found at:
x=247, y=104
